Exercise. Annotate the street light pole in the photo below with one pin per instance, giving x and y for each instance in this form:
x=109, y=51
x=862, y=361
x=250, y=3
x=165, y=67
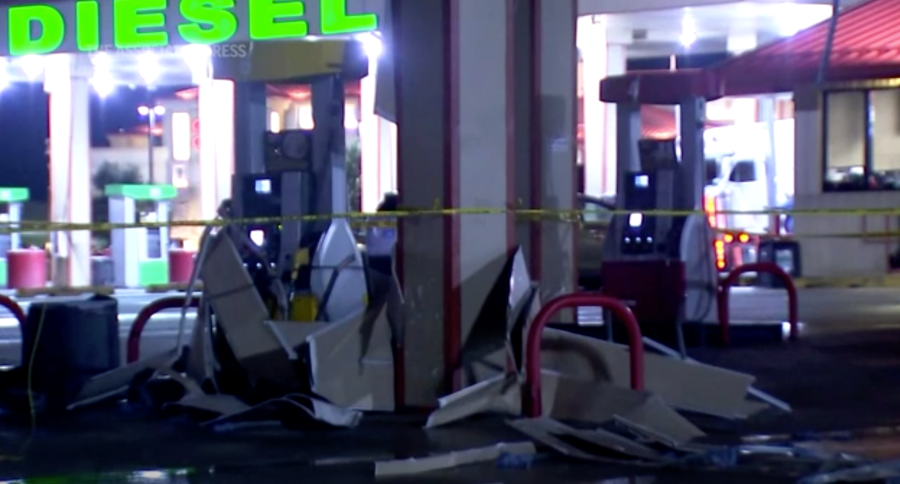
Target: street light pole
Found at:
x=151, y=121
x=151, y=114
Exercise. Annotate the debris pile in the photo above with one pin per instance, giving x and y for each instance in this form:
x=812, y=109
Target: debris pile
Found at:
x=243, y=368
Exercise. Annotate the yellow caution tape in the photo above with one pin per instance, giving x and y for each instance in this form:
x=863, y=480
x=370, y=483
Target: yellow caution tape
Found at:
x=364, y=219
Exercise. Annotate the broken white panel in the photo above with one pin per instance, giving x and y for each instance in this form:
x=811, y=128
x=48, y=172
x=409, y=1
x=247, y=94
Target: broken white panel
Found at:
x=349, y=290
x=450, y=460
x=685, y=386
x=343, y=368
x=520, y=280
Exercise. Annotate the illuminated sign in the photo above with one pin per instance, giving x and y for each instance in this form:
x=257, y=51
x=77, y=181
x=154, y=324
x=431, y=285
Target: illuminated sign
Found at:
x=89, y=25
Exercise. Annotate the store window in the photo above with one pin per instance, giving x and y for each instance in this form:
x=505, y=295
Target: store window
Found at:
x=861, y=133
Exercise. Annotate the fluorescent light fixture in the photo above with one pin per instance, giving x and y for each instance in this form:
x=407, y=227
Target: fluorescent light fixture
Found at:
x=792, y=18
x=274, y=122
x=197, y=57
x=148, y=68
x=4, y=74
x=103, y=84
x=32, y=66
x=102, y=79
x=688, y=31
x=371, y=44
x=102, y=61
x=181, y=136
x=156, y=110
x=195, y=54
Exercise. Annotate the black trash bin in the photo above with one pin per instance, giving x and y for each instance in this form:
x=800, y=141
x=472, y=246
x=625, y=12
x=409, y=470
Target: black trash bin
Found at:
x=79, y=338
x=783, y=253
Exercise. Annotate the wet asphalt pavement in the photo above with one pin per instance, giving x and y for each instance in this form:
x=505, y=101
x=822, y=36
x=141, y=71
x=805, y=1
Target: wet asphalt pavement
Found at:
x=843, y=374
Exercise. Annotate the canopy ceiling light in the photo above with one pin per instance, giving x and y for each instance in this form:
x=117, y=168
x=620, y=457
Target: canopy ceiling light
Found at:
x=688, y=31
x=371, y=44
x=32, y=66
x=4, y=74
x=197, y=57
x=102, y=79
x=148, y=68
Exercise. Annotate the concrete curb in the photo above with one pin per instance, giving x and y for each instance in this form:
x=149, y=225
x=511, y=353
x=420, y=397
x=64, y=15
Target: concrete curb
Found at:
x=889, y=280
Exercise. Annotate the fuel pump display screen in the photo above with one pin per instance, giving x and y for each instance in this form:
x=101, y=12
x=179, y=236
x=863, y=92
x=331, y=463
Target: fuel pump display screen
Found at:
x=640, y=196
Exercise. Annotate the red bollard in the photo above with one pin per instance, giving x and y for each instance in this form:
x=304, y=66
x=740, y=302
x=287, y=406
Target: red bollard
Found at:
x=181, y=265
x=133, y=347
x=531, y=394
x=13, y=307
x=26, y=269
x=734, y=275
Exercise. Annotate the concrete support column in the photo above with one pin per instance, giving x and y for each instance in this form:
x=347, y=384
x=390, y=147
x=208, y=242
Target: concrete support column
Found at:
x=67, y=83
x=329, y=146
x=369, y=141
x=767, y=116
x=616, y=58
x=603, y=54
x=692, y=115
x=628, y=132
x=455, y=150
x=378, y=146
x=592, y=50
x=551, y=165
x=220, y=136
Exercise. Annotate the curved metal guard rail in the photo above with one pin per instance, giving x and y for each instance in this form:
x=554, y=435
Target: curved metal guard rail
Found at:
x=725, y=290
x=531, y=394
x=13, y=307
x=140, y=321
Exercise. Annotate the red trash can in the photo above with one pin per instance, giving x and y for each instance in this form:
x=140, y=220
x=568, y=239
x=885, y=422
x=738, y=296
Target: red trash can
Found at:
x=26, y=268
x=181, y=264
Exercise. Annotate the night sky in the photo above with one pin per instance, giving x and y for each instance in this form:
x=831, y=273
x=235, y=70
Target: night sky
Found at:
x=24, y=126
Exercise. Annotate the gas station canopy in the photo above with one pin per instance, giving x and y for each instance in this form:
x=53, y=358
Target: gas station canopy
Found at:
x=87, y=26
x=864, y=49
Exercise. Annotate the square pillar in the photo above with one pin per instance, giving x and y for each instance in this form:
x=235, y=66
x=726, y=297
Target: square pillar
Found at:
x=369, y=141
x=329, y=147
x=455, y=118
x=552, y=166
x=603, y=54
x=67, y=83
x=220, y=132
x=378, y=146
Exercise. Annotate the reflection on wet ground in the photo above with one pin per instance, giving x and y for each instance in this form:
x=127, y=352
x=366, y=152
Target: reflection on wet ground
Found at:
x=833, y=382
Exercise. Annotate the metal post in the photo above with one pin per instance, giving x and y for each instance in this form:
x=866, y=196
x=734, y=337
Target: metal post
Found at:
x=151, y=123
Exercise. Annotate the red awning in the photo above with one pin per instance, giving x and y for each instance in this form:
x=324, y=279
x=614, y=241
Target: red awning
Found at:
x=866, y=47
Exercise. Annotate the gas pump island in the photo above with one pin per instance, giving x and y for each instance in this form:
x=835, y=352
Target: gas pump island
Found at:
x=662, y=265
x=11, y=200
x=140, y=254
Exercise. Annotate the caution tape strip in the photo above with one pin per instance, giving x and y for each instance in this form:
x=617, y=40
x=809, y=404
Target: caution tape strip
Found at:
x=383, y=219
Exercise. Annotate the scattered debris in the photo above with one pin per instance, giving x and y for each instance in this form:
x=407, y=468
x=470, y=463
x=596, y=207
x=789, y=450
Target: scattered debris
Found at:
x=595, y=444
x=450, y=460
x=888, y=471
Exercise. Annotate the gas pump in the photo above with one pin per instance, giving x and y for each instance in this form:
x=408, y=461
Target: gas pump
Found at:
x=12, y=198
x=663, y=266
x=286, y=213
x=140, y=254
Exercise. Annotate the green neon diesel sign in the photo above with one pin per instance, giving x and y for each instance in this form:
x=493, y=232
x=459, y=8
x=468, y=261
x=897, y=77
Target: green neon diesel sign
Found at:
x=89, y=25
